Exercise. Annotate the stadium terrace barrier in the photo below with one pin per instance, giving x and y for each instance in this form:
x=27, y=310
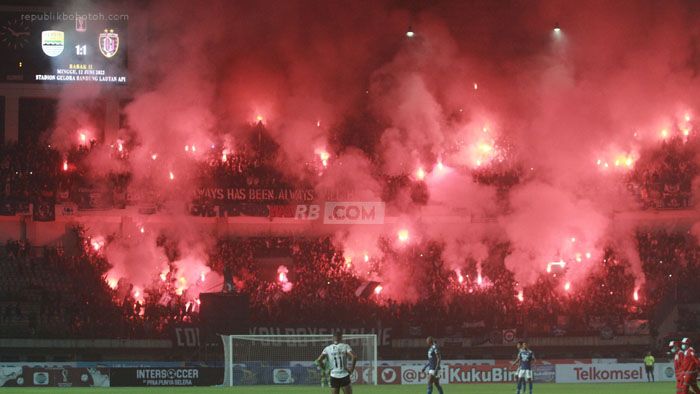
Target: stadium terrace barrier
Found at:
x=86, y=343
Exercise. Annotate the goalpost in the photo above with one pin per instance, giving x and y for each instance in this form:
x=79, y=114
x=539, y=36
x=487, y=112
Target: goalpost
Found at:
x=289, y=359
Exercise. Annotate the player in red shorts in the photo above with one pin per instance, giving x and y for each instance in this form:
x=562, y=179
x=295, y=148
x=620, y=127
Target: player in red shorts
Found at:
x=677, y=353
x=691, y=364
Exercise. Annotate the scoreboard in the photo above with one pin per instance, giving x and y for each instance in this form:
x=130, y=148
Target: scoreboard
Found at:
x=63, y=47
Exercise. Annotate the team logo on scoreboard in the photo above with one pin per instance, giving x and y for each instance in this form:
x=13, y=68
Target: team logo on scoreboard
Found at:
x=109, y=43
x=52, y=42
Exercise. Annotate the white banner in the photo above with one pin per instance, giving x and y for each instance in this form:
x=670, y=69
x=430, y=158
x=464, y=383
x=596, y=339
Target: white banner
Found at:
x=353, y=213
x=609, y=373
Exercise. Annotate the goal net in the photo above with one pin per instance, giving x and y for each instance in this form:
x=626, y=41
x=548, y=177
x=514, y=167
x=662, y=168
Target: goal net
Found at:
x=289, y=359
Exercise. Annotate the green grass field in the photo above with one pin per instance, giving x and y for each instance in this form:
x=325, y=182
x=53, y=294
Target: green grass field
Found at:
x=627, y=388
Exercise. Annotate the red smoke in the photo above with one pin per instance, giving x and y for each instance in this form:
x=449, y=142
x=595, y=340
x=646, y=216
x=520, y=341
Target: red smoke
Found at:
x=477, y=86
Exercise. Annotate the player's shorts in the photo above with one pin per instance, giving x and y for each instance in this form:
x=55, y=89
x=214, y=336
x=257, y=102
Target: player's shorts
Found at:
x=690, y=378
x=525, y=374
x=431, y=372
x=649, y=368
x=337, y=383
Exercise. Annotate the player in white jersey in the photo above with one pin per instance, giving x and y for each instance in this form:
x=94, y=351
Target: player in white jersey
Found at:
x=337, y=355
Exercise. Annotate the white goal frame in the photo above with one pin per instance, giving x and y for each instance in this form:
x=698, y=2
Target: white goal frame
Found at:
x=229, y=359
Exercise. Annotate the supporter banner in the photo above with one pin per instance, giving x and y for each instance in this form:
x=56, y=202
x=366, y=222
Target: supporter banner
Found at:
x=282, y=211
x=353, y=213
x=231, y=210
x=186, y=336
x=96, y=199
x=204, y=210
x=199, y=376
x=255, y=210
x=254, y=195
x=44, y=211
x=607, y=373
x=21, y=376
x=509, y=335
x=383, y=335
x=66, y=209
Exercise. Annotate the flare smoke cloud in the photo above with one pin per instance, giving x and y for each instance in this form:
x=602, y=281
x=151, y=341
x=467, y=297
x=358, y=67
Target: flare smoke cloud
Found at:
x=480, y=85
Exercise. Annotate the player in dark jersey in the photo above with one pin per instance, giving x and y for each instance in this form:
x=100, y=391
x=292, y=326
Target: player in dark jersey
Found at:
x=433, y=365
x=515, y=362
x=525, y=360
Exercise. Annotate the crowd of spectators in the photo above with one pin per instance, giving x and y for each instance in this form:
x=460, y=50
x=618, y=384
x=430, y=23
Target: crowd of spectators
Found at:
x=662, y=177
x=670, y=262
x=52, y=291
x=27, y=173
x=57, y=292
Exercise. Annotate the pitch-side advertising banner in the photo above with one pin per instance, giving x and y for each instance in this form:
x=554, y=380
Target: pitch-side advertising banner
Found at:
x=54, y=376
x=459, y=374
x=609, y=373
x=454, y=374
x=195, y=376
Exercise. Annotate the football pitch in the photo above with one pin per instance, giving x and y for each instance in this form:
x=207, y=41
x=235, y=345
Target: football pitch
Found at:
x=600, y=388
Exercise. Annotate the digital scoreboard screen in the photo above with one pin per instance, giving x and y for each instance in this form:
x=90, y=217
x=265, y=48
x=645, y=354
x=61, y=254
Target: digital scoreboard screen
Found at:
x=63, y=47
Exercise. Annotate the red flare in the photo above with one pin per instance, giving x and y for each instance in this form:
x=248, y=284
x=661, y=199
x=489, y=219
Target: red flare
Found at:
x=420, y=173
x=96, y=245
x=282, y=277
